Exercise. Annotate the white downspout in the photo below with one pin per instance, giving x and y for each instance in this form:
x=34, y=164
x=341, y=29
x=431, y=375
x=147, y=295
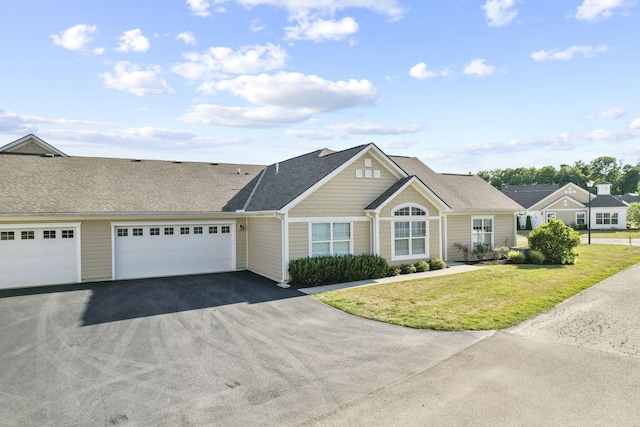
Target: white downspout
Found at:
x=443, y=237
x=373, y=245
x=285, y=244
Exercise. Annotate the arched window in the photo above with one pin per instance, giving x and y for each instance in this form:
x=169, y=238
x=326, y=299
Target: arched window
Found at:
x=410, y=233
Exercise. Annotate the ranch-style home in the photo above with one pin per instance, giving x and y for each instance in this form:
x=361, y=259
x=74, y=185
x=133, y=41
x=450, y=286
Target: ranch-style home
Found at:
x=67, y=219
x=570, y=204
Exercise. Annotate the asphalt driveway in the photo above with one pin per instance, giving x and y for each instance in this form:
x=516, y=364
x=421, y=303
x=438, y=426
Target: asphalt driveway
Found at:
x=222, y=349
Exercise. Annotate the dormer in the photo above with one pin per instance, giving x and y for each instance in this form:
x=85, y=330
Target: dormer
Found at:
x=31, y=145
x=603, y=189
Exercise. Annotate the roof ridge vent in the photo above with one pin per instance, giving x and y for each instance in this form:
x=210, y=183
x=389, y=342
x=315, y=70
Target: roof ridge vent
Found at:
x=177, y=162
x=48, y=155
x=136, y=160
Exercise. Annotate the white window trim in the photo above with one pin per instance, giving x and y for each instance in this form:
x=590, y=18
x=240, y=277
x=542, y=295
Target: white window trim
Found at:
x=493, y=227
x=550, y=215
x=311, y=242
x=584, y=217
x=410, y=218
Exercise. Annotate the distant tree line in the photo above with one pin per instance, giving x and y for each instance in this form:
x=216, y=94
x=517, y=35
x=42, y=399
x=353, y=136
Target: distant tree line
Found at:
x=624, y=178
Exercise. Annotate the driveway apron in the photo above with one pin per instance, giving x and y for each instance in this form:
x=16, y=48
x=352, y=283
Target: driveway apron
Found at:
x=223, y=349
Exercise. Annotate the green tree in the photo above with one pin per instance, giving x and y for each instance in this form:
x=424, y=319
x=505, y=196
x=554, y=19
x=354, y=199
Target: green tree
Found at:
x=633, y=215
x=546, y=175
x=605, y=168
x=556, y=241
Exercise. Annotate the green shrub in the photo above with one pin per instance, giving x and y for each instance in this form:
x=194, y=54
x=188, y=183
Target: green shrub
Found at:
x=481, y=251
x=515, y=257
x=437, y=264
x=536, y=257
x=556, y=241
x=464, y=248
x=326, y=270
x=528, y=225
x=499, y=252
x=518, y=226
x=407, y=269
x=422, y=266
x=393, y=271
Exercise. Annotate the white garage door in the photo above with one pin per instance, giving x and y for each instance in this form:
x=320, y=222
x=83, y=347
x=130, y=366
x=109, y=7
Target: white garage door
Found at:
x=173, y=249
x=42, y=254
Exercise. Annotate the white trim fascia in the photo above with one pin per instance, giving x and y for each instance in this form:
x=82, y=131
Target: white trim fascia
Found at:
x=24, y=225
x=558, y=193
x=110, y=215
x=482, y=212
x=329, y=219
x=149, y=223
x=38, y=141
x=561, y=199
x=340, y=169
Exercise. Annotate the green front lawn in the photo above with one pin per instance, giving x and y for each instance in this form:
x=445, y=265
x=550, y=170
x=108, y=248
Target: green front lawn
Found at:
x=498, y=296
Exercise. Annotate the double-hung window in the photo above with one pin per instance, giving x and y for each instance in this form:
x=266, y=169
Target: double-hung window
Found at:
x=607, y=218
x=410, y=233
x=581, y=218
x=482, y=231
x=330, y=238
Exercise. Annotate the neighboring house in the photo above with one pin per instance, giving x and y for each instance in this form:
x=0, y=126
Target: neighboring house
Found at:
x=570, y=204
x=70, y=219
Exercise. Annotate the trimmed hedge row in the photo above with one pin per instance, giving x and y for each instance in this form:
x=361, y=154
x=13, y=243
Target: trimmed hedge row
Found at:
x=325, y=270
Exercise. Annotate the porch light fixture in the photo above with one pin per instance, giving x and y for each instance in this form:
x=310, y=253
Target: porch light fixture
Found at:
x=589, y=185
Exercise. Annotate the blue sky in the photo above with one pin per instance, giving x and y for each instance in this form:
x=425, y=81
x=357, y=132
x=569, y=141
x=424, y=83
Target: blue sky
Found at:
x=463, y=85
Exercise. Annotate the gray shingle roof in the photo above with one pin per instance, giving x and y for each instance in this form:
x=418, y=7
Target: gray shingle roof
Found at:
x=459, y=192
x=388, y=193
x=529, y=195
x=607, y=201
x=295, y=176
x=630, y=198
x=32, y=184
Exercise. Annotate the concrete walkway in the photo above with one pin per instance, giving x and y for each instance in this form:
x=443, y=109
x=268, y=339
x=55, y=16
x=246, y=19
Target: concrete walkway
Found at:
x=453, y=268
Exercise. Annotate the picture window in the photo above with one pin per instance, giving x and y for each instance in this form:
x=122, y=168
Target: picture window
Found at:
x=330, y=239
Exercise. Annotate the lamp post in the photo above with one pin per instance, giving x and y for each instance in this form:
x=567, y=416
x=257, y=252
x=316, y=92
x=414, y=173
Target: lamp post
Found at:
x=589, y=185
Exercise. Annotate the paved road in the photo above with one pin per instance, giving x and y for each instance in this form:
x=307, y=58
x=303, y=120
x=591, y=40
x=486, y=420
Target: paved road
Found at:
x=576, y=365
x=227, y=349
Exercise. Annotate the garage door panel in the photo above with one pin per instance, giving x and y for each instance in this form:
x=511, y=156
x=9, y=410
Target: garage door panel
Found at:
x=37, y=261
x=166, y=255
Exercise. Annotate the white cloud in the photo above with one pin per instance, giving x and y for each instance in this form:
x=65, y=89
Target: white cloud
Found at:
x=245, y=117
x=596, y=10
x=186, y=37
x=567, y=54
x=500, y=12
x=129, y=77
x=98, y=50
x=391, y=8
x=256, y=25
x=133, y=40
x=300, y=91
x=398, y=144
x=281, y=99
x=635, y=125
x=10, y=121
x=219, y=62
x=420, y=72
x=313, y=134
x=321, y=29
x=201, y=7
x=479, y=68
x=614, y=112
x=76, y=37
x=367, y=128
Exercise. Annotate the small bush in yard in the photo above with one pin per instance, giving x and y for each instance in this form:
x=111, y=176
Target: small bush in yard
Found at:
x=422, y=266
x=437, y=264
x=536, y=257
x=515, y=257
x=481, y=251
x=464, y=248
x=556, y=241
x=326, y=270
x=408, y=268
x=394, y=271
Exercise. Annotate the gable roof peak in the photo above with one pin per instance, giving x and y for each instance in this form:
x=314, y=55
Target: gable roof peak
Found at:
x=41, y=147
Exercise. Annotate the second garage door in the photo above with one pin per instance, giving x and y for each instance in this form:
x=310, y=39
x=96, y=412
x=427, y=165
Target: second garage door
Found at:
x=173, y=249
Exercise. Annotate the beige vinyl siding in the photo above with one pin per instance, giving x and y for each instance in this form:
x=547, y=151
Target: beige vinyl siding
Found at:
x=568, y=216
x=572, y=191
x=299, y=238
x=344, y=194
x=564, y=204
x=96, y=251
x=361, y=237
x=265, y=247
x=459, y=231
x=29, y=148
